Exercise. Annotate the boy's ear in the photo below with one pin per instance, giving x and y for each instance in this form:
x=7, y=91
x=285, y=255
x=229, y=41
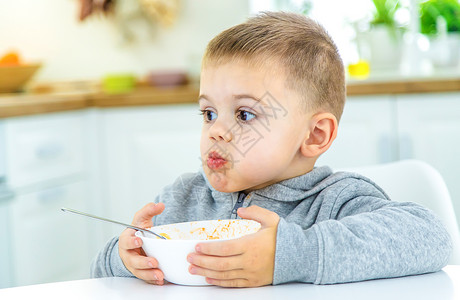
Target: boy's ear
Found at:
x=322, y=132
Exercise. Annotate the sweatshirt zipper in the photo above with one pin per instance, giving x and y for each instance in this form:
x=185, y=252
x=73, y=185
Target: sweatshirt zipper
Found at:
x=239, y=203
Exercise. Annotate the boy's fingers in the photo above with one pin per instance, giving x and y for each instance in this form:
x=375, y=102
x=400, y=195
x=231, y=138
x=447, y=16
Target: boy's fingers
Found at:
x=223, y=275
x=224, y=248
x=264, y=216
x=155, y=282
x=215, y=263
x=152, y=276
x=128, y=240
x=141, y=262
x=235, y=283
x=143, y=218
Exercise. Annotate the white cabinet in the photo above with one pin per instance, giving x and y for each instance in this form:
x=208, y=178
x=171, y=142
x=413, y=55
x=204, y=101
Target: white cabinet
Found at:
x=48, y=244
x=6, y=270
x=367, y=133
x=43, y=148
x=47, y=169
x=429, y=130
x=145, y=149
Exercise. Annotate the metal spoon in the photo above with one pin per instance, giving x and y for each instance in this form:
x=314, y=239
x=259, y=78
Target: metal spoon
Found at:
x=111, y=221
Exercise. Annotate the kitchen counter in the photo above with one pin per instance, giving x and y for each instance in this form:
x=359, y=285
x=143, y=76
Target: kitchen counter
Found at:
x=29, y=104
x=12, y=105
x=403, y=86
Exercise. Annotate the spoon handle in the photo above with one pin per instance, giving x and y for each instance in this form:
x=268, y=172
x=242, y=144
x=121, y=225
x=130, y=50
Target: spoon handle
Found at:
x=111, y=221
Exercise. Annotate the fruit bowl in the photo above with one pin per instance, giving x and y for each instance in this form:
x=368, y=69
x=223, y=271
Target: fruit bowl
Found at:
x=13, y=78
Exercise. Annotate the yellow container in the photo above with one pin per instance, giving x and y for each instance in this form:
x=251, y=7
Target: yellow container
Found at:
x=359, y=70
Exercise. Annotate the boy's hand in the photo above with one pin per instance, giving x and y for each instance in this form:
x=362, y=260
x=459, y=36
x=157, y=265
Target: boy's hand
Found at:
x=244, y=262
x=130, y=251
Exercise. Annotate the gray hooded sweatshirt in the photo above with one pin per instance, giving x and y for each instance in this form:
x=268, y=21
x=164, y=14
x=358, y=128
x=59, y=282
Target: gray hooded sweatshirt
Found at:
x=334, y=227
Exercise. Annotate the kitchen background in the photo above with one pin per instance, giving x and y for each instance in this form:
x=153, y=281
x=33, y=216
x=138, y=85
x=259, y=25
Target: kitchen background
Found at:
x=109, y=116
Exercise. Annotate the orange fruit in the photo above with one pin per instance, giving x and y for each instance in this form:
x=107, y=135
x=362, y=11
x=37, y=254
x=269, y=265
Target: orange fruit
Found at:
x=11, y=58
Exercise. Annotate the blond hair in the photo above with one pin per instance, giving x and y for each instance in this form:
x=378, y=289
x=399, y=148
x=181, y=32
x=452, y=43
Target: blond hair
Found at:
x=299, y=45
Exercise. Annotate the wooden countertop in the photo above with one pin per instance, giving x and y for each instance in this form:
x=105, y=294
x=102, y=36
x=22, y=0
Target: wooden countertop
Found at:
x=12, y=105
x=148, y=96
x=20, y=105
x=407, y=86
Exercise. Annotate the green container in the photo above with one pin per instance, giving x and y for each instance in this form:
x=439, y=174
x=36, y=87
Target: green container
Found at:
x=118, y=83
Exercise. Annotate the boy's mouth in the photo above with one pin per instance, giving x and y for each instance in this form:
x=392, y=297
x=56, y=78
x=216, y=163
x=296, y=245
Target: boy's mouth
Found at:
x=215, y=161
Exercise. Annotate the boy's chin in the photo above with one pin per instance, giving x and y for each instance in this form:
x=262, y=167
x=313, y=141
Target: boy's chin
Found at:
x=225, y=181
x=228, y=188
x=221, y=186
x=220, y=182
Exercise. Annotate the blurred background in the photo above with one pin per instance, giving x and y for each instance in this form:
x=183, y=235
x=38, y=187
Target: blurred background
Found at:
x=98, y=108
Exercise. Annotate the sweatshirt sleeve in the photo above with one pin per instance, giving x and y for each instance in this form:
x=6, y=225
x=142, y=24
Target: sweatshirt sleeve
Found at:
x=365, y=237
x=296, y=257
x=108, y=263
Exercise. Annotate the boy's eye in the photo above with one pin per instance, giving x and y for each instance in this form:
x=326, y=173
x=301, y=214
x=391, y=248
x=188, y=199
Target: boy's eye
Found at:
x=245, y=116
x=208, y=115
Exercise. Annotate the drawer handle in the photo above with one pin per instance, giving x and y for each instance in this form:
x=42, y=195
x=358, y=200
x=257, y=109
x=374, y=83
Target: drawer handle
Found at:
x=49, y=151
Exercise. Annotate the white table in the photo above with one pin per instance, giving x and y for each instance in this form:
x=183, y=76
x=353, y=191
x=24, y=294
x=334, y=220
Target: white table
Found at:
x=443, y=285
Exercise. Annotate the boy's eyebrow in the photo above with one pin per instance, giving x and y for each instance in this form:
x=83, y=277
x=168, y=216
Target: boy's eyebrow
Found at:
x=203, y=97
x=246, y=96
x=236, y=97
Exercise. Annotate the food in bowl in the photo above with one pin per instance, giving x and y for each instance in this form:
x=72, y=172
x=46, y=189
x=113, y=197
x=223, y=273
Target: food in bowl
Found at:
x=181, y=238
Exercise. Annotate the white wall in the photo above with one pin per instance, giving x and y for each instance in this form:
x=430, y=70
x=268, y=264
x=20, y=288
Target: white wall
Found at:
x=49, y=31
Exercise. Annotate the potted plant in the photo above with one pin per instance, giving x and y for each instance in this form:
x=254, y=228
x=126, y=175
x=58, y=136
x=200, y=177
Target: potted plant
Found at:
x=432, y=10
x=385, y=13
x=440, y=22
x=384, y=37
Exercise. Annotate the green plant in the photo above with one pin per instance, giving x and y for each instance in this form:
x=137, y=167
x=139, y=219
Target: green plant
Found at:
x=385, y=12
x=431, y=10
x=306, y=7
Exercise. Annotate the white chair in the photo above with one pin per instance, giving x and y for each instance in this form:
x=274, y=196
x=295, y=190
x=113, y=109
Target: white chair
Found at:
x=417, y=181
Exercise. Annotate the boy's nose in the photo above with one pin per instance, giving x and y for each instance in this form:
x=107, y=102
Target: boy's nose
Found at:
x=220, y=131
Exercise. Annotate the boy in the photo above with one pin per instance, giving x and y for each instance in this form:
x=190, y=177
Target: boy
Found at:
x=272, y=92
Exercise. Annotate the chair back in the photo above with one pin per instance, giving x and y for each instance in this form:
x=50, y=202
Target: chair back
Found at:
x=417, y=181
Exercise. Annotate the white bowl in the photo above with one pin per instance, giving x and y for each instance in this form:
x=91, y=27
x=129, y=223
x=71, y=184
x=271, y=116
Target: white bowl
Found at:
x=171, y=253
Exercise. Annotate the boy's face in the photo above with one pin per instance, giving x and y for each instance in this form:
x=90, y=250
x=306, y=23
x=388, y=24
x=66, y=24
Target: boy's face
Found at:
x=253, y=127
